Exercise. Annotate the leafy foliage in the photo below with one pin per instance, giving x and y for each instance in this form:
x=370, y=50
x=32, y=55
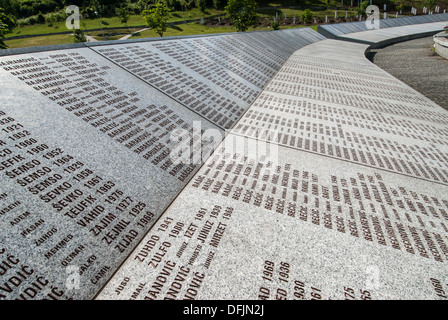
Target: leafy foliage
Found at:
x=5, y=25
x=361, y=10
x=242, y=13
x=307, y=16
x=157, y=17
x=218, y=4
x=2, y=31
x=79, y=36
x=123, y=14
x=201, y=5
x=431, y=4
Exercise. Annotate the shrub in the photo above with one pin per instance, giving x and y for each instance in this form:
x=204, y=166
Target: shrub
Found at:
x=361, y=10
x=307, y=16
x=3, y=28
x=31, y=20
x=40, y=18
x=201, y=5
x=242, y=13
x=79, y=36
x=157, y=18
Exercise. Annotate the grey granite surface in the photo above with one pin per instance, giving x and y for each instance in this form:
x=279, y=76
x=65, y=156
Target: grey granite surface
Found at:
x=340, y=29
x=289, y=220
x=385, y=35
x=90, y=149
x=332, y=182
x=279, y=240
x=217, y=77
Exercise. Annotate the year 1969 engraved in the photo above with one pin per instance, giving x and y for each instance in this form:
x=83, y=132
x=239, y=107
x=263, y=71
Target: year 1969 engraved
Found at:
x=283, y=271
x=268, y=270
x=273, y=273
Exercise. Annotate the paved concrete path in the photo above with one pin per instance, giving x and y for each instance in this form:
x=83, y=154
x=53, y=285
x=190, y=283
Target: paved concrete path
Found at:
x=90, y=39
x=130, y=35
x=415, y=63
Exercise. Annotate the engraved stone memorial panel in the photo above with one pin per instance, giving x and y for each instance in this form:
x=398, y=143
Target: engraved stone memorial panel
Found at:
x=349, y=202
x=86, y=168
x=329, y=179
x=90, y=141
x=216, y=77
x=301, y=228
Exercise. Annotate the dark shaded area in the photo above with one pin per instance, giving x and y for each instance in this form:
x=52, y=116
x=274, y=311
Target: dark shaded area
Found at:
x=175, y=27
x=415, y=63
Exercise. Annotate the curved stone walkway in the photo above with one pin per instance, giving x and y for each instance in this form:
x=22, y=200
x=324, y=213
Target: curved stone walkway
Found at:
x=130, y=35
x=416, y=64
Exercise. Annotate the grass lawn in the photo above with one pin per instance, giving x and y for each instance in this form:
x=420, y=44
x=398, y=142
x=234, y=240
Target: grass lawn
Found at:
x=269, y=10
x=185, y=30
x=181, y=30
x=39, y=41
x=134, y=20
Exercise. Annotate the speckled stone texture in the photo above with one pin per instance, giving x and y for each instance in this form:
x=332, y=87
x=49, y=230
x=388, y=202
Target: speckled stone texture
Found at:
x=82, y=164
x=331, y=182
x=352, y=205
x=88, y=146
x=415, y=63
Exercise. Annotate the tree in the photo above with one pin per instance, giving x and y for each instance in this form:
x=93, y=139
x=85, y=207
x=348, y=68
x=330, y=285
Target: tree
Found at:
x=217, y=4
x=40, y=18
x=142, y=5
x=361, y=10
x=431, y=4
x=157, y=17
x=242, y=13
x=79, y=36
x=201, y=5
x=123, y=14
x=3, y=30
x=307, y=16
x=187, y=3
x=5, y=24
